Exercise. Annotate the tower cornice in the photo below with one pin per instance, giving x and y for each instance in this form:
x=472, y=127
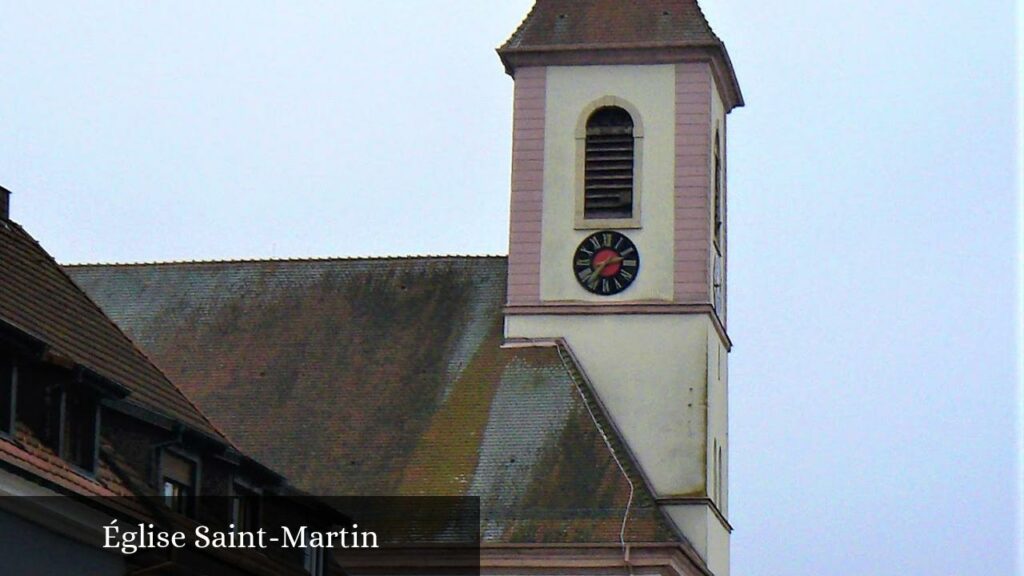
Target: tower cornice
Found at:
x=621, y=308
x=630, y=54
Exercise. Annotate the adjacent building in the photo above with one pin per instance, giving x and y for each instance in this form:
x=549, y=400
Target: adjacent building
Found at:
x=91, y=430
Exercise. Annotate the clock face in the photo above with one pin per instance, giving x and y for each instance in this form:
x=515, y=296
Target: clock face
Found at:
x=606, y=263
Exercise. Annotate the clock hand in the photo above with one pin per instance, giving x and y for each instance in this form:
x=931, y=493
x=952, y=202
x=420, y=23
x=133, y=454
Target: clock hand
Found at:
x=596, y=272
x=600, y=267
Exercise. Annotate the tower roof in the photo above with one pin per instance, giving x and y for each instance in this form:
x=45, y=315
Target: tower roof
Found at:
x=626, y=23
x=567, y=32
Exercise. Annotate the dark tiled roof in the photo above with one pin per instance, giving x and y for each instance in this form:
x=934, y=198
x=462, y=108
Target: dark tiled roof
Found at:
x=381, y=377
x=590, y=23
x=39, y=299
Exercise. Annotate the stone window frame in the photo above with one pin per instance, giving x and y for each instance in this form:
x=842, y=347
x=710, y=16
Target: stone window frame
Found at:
x=581, y=222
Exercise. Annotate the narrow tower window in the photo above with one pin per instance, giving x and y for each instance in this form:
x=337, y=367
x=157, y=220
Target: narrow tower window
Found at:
x=719, y=212
x=719, y=479
x=718, y=230
x=608, y=176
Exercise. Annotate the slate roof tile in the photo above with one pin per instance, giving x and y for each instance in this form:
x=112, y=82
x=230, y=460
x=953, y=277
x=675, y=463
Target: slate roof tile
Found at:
x=590, y=23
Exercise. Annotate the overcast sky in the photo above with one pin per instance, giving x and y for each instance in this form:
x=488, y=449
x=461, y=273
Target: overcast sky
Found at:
x=873, y=213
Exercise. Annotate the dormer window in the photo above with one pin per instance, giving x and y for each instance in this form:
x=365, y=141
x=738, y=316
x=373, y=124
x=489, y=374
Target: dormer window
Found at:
x=8, y=394
x=609, y=165
x=314, y=561
x=79, y=428
x=245, y=507
x=178, y=478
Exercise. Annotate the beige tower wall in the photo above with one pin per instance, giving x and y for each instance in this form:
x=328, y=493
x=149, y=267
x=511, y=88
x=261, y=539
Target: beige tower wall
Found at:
x=706, y=532
x=718, y=423
x=571, y=90
x=650, y=372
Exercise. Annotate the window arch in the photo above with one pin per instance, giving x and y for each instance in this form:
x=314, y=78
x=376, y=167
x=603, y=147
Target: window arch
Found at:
x=609, y=164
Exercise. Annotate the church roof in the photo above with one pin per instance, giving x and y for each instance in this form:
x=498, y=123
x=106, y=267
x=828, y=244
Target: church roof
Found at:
x=604, y=23
x=42, y=302
x=387, y=377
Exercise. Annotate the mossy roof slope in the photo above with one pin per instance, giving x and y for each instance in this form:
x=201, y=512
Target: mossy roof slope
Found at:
x=385, y=377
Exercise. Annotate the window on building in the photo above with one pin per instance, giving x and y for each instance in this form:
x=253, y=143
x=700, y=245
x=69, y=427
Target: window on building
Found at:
x=717, y=201
x=718, y=231
x=313, y=561
x=245, y=508
x=79, y=428
x=720, y=480
x=178, y=482
x=8, y=394
x=609, y=165
x=714, y=469
x=718, y=285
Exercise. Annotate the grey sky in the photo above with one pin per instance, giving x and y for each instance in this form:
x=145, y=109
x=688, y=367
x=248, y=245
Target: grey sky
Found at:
x=873, y=217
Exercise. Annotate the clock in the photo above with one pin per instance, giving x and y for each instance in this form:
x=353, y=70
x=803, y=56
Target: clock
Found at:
x=606, y=263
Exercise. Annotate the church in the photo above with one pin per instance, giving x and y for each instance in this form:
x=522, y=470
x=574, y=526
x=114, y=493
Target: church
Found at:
x=578, y=386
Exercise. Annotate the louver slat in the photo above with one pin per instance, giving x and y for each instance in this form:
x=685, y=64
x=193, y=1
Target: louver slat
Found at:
x=608, y=169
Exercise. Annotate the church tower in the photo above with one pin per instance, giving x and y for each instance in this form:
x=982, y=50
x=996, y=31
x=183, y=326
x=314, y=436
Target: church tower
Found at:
x=618, y=238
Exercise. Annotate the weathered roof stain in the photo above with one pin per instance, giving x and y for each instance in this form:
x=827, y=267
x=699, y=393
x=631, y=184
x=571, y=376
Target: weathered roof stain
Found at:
x=383, y=377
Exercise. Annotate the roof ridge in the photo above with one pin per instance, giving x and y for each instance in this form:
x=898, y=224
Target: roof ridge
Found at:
x=258, y=260
x=136, y=348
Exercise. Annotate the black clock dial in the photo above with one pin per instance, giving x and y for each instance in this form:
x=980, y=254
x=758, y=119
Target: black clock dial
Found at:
x=606, y=263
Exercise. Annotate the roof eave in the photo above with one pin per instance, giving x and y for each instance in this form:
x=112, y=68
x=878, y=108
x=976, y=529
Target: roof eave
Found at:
x=513, y=57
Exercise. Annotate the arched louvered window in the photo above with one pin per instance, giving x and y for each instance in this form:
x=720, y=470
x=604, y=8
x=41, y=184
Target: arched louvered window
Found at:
x=609, y=165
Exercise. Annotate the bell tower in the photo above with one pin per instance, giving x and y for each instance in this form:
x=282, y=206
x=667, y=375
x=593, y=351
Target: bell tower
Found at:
x=618, y=235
